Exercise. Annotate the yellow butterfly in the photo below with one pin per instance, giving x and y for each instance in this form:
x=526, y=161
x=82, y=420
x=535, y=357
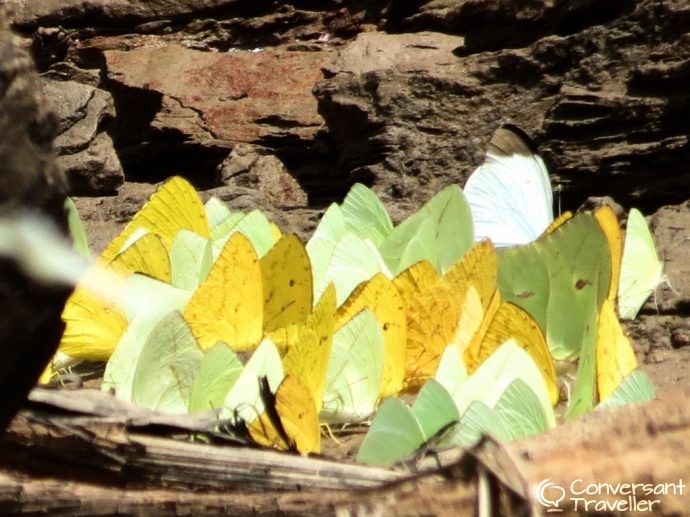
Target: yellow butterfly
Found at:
x=505, y=320
x=228, y=305
x=147, y=255
x=305, y=348
x=415, y=279
x=608, y=222
x=287, y=283
x=448, y=311
x=175, y=205
x=380, y=295
x=479, y=267
x=615, y=355
x=557, y=223
x=292, y=422
x=92, y=326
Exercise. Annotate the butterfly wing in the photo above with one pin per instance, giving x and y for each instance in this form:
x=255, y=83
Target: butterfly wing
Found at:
x=175, y=205
x=287, y=284
x=228, y=305
x=641, y=268
x=381, y=296
x=510, y=193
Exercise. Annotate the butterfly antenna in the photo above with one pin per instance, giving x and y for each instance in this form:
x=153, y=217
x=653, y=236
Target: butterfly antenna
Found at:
x=329, y=433
x=558, y=189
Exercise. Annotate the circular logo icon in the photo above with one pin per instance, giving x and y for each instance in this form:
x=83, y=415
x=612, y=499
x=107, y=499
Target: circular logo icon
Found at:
x=550, y=495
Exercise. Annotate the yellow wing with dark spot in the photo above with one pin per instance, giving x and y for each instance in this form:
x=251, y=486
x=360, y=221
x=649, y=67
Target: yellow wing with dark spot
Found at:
x=228, y=305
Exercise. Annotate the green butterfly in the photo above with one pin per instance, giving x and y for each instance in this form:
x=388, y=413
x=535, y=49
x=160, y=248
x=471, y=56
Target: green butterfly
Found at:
x=76, y=228
x=254, y=225
x=636, y=387
x=440, y=232
x=166, y=367
x=398, y=430
x=217, y=373
x=558, y=279
x=147, y=302
x=355, y=367
x=641, y=269
x=191, y=258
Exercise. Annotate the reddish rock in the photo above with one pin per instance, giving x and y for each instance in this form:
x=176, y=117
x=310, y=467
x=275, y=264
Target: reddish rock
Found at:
x=221, y=99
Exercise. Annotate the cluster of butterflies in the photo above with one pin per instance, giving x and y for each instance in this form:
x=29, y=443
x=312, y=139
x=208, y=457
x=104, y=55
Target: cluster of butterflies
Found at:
x=475, y=302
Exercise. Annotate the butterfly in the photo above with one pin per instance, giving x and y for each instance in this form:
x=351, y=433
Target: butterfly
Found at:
x=440, y=232
x=218, y=371
x=641, y=268
x=380, y=295
x=510, y=194
x=399, y=430
x=561, y=280
x=290, y=420
x=228, y=305
x=287, y=284
x=166, y=367
x=305, y=347
x=175, y=205
x=615, y=357
x=354, y=372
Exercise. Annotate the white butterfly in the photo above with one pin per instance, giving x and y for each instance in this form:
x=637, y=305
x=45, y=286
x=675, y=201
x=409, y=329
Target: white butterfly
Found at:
x=510, y=194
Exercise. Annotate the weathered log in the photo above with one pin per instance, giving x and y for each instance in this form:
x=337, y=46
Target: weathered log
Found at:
x=57, y=458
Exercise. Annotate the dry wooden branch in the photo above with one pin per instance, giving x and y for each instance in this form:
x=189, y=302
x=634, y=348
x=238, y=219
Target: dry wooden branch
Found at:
x=58, y=459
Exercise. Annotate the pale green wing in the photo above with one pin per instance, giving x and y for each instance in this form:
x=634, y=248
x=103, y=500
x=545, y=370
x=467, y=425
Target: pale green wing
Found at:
x=355, y=367
x=353, y=261
x=325, y=238
x=76, y=228
x=394, y=434
x=191, y=259
x=479, y=419
x=219, y=370
x=166, y=367
x=243, y=401
x=153, y=297
x=494, y=375
x=454, y=228
x=253, y=225
x=410, y=242
x=257, y=228
x=453, y=231
x=641, y=268
x=365, y=215
x=577, y=263
x=634, y=388
x=434, y=409
x=119, y=371
x=521, y=411
x=216, y=211
x=223, y=230
x=451, y=371
x=583, y=395
x=147, y=301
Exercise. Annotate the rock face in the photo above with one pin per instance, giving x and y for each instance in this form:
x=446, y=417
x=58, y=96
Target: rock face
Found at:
x=605, y=102
x=220, y=99
x=30, y=327
x=85, y=152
